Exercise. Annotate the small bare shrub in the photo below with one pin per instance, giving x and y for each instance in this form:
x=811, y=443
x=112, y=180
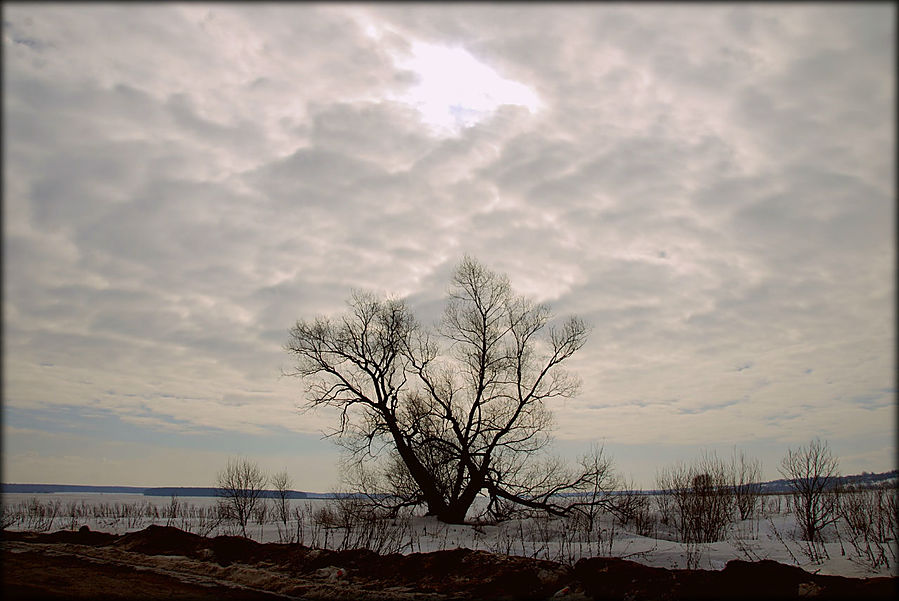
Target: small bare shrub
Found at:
x=746, y=475
x=39, y=517
x=664, y=502
x=367, y=526
x=325, y=517
x=281, y=483
x=634, y=509
x=10, y=516
x=261, y=513
x=812, y=472
x=171, y=511
x=240, y=487
x=702, y=499
x=869, y=523
x=300, y=516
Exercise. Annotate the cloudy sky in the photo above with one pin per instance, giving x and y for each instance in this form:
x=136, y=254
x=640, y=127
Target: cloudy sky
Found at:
x=710, y=186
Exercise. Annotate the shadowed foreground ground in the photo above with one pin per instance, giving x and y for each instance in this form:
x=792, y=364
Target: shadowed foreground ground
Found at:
x=166, y=563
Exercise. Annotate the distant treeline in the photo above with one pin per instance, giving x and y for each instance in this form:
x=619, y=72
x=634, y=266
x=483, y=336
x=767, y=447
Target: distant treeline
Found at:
x=863, y=480
x=72, y=488
x=162, y=491
x=194, y=491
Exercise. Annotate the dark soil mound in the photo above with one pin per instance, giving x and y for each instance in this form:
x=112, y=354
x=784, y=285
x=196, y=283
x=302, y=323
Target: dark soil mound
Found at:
x=228, y=549
x=612, y=578
x=476, y=573
x=609, y=578
x=162, y=540
x=81, y=537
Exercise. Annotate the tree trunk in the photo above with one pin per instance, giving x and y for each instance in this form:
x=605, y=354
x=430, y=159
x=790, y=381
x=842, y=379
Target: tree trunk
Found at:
x=456, y=510
x=433, y=499
x=454, y=513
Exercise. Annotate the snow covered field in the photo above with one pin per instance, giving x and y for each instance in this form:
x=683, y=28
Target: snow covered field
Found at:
x=770, y=534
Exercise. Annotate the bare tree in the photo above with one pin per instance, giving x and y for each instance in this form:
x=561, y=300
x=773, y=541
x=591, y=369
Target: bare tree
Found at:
x=281, y=482
x=456, y=412
x=813, y=474
x=239, y=488
x=746, y=476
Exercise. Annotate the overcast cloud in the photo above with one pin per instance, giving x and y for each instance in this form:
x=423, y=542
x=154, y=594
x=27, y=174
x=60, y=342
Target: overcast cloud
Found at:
x=710, y=186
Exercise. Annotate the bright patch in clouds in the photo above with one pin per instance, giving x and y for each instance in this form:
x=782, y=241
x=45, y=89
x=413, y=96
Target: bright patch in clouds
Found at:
x=455, y=90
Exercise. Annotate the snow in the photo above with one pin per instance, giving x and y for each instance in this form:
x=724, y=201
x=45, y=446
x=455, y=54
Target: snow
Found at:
x=769, y=535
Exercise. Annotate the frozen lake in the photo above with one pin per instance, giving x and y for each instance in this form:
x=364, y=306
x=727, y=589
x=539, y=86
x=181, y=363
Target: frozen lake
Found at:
x=329, y=523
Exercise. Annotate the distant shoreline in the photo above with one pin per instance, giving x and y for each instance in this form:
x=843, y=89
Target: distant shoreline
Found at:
x=148, y=491
x=772, y=487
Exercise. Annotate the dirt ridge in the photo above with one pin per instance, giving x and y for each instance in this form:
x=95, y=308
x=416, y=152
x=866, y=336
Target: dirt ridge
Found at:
x=166, y=562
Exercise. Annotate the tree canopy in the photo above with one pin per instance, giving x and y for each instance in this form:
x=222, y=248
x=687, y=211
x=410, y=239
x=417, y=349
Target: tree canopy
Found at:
x=452, y=411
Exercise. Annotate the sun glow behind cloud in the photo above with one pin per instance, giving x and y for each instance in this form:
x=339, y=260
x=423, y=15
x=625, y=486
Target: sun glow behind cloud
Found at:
x=454, y=90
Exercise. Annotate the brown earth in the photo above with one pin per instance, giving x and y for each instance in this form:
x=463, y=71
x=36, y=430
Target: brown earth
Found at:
x=166, y=563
